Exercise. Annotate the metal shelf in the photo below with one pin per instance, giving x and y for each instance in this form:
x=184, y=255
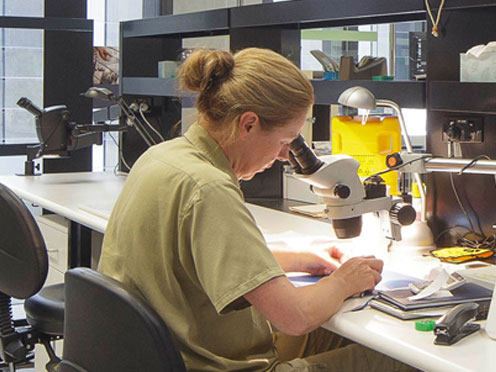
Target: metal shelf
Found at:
x=302, y=14
x=325, y=13
x=12, y=148
x=462, y=4
x=48, y=24
x=407, y=94
x=212, y=22
x=149, y=86
x=462, y=97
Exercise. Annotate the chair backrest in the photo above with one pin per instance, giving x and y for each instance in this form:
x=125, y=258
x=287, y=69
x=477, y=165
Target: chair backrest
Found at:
x=23, y=256
x=108, y=328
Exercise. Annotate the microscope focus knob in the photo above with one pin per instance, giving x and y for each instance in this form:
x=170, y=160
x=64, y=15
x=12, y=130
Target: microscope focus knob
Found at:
x=342, y=191
x=402, y=214
x=393, y=160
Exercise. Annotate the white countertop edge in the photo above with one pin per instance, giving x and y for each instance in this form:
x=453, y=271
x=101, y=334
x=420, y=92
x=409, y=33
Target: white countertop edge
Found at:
x=403, y=350
x=84, y=218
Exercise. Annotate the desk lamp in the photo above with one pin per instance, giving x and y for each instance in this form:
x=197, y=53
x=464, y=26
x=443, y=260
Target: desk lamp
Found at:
x=362, y=98
x=60, y=136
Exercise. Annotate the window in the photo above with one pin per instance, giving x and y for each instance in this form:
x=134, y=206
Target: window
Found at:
x=24, y=8
x=106, y=15
x=21, y=72
x=370, y=40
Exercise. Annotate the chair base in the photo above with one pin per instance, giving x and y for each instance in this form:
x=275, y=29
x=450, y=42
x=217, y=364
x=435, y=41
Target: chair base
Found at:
x=4, y=367
x=25, y=339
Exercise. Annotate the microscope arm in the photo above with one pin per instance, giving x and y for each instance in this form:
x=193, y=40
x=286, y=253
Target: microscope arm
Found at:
x=93, y=128
x=425, y=163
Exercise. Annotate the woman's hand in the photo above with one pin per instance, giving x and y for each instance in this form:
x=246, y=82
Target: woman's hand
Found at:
x=315, y=262
x=359, y=274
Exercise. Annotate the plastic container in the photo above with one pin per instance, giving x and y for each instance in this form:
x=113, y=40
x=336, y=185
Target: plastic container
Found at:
x=167, y=69
x=369, y=143
x=425, y=325
x=477, y=65
x=331, y=75
x=383, y=78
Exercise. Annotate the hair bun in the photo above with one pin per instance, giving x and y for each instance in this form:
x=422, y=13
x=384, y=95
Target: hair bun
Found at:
x=206, y=69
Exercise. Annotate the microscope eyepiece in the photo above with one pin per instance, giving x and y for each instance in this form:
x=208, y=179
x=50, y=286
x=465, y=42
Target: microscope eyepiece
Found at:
x=302, y=158
x=28, y=105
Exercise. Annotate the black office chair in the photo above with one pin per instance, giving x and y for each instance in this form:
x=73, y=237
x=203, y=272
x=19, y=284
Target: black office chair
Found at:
x=108, y=328
x=23, y=271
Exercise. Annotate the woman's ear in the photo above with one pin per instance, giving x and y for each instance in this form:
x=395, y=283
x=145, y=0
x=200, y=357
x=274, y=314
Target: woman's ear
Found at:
x=247, y=122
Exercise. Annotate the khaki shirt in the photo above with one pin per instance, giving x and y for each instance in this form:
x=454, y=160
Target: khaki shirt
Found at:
x=181, y=235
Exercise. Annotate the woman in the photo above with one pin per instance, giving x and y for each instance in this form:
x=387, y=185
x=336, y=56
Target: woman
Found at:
x=181, y=235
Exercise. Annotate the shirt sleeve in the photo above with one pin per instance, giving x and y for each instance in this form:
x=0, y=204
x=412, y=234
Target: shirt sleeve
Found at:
x=229, y=252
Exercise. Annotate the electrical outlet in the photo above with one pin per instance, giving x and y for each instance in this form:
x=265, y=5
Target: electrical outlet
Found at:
x=464, y=130
x=145, y=104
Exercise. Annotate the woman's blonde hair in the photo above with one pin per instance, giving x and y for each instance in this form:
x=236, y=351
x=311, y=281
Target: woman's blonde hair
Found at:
x=253, y=79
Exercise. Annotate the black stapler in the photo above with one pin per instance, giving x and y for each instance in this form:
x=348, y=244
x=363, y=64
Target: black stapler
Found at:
x=453, y=326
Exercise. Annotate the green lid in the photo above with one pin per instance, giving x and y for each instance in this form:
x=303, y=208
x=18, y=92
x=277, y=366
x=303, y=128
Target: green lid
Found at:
x=382, y=78
x=425, y=325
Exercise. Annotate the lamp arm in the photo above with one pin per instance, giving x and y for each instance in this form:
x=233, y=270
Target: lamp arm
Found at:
x=131, y=117
x=409, y=148
x=404, y=132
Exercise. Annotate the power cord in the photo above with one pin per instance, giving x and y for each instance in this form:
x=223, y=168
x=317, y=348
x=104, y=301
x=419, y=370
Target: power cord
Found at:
x=141, y=108
x=120, y=154
x=435, y=22
x=399, y=166
x=473, y=162
x=462, y=240
x=460, y=204
x=477, y=240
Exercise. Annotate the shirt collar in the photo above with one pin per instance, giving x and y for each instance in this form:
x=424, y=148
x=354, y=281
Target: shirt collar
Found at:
x=200, y=138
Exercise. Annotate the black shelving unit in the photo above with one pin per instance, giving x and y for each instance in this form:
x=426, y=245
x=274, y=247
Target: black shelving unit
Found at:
x=208, y=23
x=144, y=43
x=325, y=13
x=48, y=23
x=276, y=26
x=68, y=71
x=464, y=24
x=464, y=97
x=407, y=94
x=67, y=43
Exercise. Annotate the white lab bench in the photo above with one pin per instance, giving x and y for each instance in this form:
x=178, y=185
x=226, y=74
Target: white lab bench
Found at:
x=87, y=199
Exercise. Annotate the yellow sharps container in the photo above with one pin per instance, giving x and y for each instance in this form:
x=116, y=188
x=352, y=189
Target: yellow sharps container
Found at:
x=369, y=143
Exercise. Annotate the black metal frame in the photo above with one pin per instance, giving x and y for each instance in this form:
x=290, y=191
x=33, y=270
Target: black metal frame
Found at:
x=47, y=24
x=324, y=13
x=68, y=40
x=19, y=335
x=79, y=245
x=448, y=98
x=10, y=149
x=68, y=71
x=271, y=25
